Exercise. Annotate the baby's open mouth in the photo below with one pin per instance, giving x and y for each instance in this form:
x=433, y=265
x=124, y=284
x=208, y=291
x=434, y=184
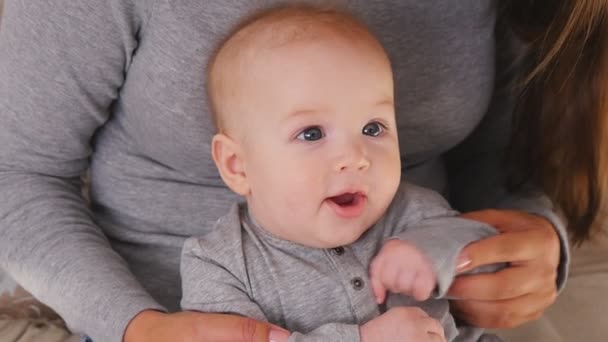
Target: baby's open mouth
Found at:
x=345, y=199
x=348, y=205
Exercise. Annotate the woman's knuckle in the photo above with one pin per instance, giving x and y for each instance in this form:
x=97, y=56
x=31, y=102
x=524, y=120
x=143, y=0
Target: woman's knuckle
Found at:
x=549, y=236
x=506, y=323
x=546, y=278
x=505, y=291
x=547, y=233
x=550, y=278
x=552, y=296
x=536, y=316
x=504, y=251
x=248, y=329
x=196, y=331
x=506, y=319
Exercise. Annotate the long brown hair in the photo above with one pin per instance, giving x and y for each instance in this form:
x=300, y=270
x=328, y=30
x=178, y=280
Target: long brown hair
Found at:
x=559, y=136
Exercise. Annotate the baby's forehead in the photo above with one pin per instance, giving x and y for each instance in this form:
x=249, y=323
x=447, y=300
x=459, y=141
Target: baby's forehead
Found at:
x=282, y=27
x=243, y=53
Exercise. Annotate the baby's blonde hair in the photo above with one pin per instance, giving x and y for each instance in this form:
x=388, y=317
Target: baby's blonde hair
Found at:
x=272, y=28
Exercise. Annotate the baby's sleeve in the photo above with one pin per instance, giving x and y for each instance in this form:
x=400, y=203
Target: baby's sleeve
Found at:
x=423, y=218
x=209, y=286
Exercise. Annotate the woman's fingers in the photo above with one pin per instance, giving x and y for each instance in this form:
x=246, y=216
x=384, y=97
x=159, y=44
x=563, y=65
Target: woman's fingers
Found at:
x=503, y=248
x=530, y=247
x=151, y=326
x=534, y=244
x=504, y=220
x=511, y=282
x=524, y=237
x=220, y=327
x=503, y=314
x=236, y=328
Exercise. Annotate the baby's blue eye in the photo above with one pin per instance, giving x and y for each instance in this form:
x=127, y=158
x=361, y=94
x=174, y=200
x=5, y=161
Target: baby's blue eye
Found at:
x=311, y=134
x=373, y=129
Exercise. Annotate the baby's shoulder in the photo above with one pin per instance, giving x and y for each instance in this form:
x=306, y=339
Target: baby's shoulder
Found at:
x=418, y=202
x=411, y=194
x=223, y=243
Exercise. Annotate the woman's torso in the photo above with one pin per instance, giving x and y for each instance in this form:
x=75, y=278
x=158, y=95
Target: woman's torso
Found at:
x=153, y=180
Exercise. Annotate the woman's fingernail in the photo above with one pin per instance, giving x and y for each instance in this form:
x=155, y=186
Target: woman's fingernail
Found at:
x=462, y=262
x=278, y=336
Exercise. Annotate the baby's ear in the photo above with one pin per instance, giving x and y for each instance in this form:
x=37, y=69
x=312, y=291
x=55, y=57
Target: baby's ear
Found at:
x=227, y=155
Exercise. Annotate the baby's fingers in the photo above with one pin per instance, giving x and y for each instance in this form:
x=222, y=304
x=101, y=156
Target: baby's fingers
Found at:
x=423, y=285
x=375, y=275
x=378, y=289
x=434, y=329
x=436, y=338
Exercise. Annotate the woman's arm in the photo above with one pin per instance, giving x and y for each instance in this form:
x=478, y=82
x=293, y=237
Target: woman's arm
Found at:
x=476, y=170
x=61, y=66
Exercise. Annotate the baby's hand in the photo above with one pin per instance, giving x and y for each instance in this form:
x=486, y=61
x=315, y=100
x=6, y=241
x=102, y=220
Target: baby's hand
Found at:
x=400, y=268
x=402, y=324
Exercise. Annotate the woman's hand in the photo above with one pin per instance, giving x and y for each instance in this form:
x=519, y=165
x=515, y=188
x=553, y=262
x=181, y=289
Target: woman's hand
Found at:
x=187, y=326
x=522, y=291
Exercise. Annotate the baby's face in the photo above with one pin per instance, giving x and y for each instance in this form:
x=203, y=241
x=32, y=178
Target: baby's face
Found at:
x=320, y=144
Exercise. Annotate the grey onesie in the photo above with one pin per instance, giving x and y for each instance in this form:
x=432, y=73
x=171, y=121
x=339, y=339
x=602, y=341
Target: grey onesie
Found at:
x=323, y=294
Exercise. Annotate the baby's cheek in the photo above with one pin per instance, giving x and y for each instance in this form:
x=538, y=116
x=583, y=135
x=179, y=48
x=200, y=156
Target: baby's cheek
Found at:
x=297, y=184
x=297, y=197
x=300, y=193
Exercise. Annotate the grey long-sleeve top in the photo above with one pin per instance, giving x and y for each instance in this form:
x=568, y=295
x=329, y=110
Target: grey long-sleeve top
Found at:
x=117, y=86
x=323, y=295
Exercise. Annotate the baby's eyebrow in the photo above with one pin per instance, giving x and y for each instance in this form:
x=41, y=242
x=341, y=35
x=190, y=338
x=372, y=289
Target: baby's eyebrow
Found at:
x=300, y=113
x=385, y=102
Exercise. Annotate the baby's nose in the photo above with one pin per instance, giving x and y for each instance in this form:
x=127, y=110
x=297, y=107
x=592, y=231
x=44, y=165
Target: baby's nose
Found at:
x=355, y=159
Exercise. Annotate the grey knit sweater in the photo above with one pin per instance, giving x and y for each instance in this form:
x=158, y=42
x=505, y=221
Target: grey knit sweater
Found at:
x=118, y=86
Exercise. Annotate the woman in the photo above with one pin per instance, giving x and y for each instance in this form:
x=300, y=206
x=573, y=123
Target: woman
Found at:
x=559, y=141
x=117, y=88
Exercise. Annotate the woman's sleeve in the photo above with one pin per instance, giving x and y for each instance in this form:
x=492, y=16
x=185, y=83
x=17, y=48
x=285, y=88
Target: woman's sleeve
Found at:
x=477, y=171
x=62, y=63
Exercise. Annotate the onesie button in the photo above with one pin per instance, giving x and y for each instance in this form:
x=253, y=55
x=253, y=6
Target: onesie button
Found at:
x=357, y=283
x=338, y=250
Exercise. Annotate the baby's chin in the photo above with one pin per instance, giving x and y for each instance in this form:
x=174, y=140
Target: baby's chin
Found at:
x=346, y=233
x=328, y=242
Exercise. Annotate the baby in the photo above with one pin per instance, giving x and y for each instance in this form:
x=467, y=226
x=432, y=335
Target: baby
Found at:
x=329, y=243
